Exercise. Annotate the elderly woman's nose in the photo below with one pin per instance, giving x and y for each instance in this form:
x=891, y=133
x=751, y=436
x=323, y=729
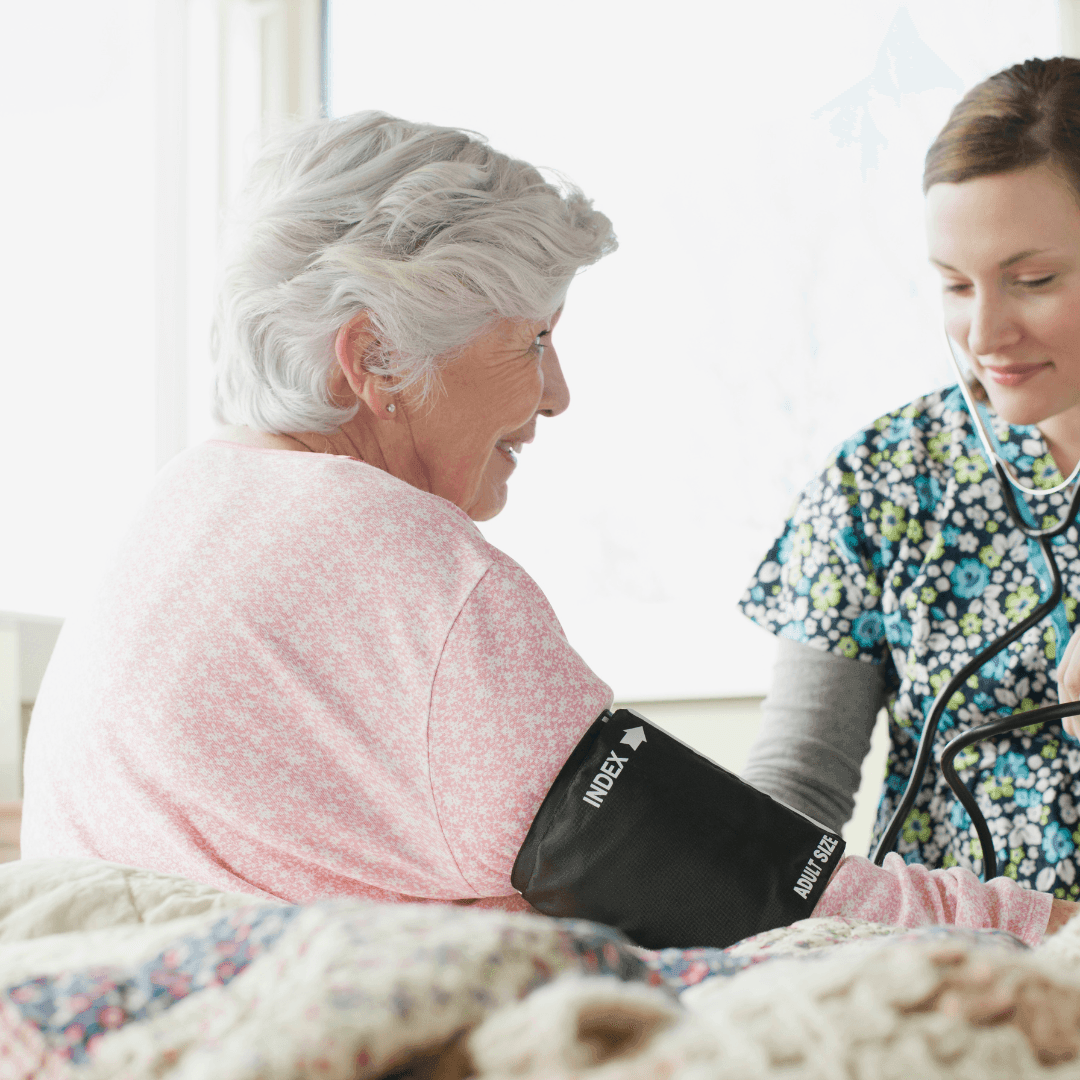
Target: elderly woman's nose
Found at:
x=556, y=396
x=992, y=327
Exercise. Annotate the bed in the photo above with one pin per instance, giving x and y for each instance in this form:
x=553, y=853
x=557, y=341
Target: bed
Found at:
x=112, y=971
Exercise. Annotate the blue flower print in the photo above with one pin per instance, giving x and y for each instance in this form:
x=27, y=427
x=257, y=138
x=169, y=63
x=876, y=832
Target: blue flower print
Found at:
x=882, y=558
x=802, y=586
x=1057, y=842
x=783, y=552
x=955, y=400
x=899, y=429
x=1011, y=764
x=922, y=569
x=928, y=489
x=848, y=544
x=970, y=578
x=849, y=446
x=868, y=629
x=913, y=857
x=757, y=594
x=897, y=629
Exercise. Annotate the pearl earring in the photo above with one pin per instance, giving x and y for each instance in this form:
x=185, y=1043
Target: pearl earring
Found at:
x=391, y=408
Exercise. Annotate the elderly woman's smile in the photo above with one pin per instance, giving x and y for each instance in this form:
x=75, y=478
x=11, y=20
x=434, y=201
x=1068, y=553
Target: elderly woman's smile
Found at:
x=491, y=397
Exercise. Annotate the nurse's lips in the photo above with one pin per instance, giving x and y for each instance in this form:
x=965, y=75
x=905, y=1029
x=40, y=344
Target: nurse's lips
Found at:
x=1012, y=374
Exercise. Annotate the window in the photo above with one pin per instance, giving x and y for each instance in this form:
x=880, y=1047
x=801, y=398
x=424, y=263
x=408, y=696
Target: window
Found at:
x=761, y=163
x=128, y=126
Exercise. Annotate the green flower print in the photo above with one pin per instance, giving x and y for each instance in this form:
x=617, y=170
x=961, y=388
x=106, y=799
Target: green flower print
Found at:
x=892, y=521
x=825, y=592
x=989, y=557
x=939, y=680
x=970, y=470
x=938, y=446
x=970, y=623
x=999, y=787
x=1046, y=472
x=967, y=757
x=917, y=827
x=803, y=540
x=1019, y=604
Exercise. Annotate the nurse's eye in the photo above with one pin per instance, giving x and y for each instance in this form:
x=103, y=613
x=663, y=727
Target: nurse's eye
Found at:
x=957, y=286
x=1034, y=283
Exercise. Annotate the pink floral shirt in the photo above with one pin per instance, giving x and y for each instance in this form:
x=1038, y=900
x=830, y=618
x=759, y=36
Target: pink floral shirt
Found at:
x=304, y=678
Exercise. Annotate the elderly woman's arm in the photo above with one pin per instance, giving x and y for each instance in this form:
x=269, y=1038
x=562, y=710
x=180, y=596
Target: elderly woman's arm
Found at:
x=509, y=703
x=815, y=731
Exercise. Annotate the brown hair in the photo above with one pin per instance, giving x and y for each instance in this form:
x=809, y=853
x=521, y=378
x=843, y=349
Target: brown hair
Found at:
x=1024, y=116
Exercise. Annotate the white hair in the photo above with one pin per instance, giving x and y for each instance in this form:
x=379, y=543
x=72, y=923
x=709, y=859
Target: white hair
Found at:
x=426, y=228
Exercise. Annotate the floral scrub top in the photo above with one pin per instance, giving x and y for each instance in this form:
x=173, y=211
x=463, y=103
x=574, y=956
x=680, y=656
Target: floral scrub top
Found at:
x=902, y=553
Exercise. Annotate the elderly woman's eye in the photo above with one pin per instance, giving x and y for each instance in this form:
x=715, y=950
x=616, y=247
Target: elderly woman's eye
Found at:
x=540, y=344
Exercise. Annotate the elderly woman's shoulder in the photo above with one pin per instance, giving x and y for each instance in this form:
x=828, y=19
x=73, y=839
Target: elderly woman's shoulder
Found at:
x=268, y=488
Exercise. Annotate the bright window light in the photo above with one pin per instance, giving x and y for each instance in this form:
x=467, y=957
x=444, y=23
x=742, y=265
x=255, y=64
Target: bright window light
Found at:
x=761, y=163
x=77, y=379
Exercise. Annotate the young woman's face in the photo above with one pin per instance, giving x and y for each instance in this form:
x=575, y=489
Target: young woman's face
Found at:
x=1008, y=250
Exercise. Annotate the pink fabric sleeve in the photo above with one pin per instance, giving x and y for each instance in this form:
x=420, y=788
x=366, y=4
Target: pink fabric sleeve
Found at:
x=510, y=701
x=903, y=895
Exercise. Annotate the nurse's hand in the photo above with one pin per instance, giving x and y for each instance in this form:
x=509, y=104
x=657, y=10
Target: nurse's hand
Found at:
x=1068, y=680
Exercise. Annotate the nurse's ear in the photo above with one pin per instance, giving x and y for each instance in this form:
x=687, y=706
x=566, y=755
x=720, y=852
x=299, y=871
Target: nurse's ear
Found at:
x=355, y=344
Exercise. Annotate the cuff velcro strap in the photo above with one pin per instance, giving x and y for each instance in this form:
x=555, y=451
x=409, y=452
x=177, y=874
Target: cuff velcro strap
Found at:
x=641, y=832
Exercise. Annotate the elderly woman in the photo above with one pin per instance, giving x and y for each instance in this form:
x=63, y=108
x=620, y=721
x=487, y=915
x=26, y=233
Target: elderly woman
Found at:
x=307, y=674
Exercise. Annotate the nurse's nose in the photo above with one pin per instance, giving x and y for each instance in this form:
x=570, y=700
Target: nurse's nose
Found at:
x=556, y=396
x=993, y=325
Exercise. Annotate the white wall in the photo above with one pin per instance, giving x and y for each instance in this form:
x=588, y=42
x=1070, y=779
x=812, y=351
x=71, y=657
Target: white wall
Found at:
x=761, y=163
x=128, y=123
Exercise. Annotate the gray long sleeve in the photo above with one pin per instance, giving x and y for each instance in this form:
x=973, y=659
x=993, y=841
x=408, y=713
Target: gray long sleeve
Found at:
x=815, y=731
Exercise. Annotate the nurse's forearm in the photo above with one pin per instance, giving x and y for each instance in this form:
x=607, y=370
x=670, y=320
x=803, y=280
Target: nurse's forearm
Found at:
x=815, y=731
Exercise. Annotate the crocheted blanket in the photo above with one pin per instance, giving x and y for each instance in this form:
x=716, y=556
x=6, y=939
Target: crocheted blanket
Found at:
x=107, y=971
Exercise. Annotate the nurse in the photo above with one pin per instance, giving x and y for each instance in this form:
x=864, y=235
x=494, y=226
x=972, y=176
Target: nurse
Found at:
x=900, y=562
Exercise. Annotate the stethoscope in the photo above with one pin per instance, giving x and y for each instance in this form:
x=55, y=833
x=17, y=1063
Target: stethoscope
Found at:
x=1008, y=482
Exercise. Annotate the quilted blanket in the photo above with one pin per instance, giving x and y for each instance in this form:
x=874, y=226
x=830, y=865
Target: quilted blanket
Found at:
x=108, y=971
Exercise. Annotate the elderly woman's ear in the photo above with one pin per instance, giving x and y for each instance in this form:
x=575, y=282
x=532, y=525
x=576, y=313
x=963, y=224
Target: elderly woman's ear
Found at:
x=355, y=342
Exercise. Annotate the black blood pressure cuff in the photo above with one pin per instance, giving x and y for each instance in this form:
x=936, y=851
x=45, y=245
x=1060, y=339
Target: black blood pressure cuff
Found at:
x=644, y=834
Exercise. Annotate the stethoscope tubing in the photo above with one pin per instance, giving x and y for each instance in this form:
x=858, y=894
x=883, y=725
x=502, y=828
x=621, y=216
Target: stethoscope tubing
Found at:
x=1005, y=724
x=990, y=731
x=926, y=741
